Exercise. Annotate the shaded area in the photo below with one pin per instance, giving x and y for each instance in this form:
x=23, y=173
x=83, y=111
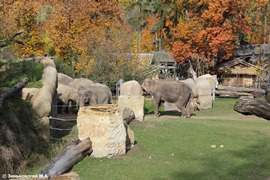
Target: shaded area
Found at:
x=62, y=125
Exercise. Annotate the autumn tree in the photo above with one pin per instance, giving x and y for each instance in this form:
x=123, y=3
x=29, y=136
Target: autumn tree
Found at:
x=258, y=13
x=149, y=41
x=208, y=32
x=22, y=16
x=88, y=35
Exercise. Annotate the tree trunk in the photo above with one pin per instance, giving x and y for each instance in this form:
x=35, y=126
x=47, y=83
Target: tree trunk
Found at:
x=253, y=107
x=19, y=86
x=66, y=159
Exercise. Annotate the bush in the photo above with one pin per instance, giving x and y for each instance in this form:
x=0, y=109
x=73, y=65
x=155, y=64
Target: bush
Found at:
x=18, y=70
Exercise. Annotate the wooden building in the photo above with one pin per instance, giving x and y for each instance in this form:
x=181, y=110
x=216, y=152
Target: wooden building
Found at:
x=239, y=73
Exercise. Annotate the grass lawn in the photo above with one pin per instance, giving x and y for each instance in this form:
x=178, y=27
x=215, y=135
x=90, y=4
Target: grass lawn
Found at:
x=173, y=148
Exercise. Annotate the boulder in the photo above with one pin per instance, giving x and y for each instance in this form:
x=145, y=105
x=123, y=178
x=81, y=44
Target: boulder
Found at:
x=47, y=62
x=131, y=88
x=135, y=103
x=130, y=138
x=29, y=93
x=128, y=115
x=204, y=92
x=104, y=125
x=44, y=99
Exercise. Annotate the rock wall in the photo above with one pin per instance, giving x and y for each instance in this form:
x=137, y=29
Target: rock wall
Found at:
x=42, y=104
x=44, y=98
x=104, y=125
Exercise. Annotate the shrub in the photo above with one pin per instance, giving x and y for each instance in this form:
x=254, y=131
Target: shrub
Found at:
x=18, y=70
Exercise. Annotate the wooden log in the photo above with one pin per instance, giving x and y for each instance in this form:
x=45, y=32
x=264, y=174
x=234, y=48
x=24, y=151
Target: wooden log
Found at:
x=19, y=86
x=233, y=88
x=228, y=93
x=67, y=158
x=253, y=107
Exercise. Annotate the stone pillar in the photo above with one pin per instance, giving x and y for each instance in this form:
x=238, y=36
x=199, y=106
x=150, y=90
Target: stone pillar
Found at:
x=136, y=103
x=104, y=125
x=204, y=92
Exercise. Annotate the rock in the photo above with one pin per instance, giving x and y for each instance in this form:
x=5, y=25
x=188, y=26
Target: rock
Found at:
x=204, y=92
x=135, y=103
x=253, y=107
x=29, y=93
x=67, y=176
x=131, y=88
x=42, y=104
x=128, y=115
x=104, y=125
x=130, y=138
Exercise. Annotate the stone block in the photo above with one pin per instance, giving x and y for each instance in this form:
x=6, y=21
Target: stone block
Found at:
x=103, y=124
x=206, y=102
x=136, y=103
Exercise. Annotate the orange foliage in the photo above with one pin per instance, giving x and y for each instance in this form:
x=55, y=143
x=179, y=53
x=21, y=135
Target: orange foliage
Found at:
x=148, y=38
x=22, y=15
x=210, y=33
x=74, y=25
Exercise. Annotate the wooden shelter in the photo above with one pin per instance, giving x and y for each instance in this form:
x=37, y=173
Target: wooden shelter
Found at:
x=239, y=73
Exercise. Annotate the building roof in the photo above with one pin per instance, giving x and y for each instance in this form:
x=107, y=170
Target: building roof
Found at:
x=239, y=66
x=163, y=57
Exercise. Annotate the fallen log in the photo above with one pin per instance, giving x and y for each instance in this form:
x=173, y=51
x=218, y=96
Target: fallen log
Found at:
x=228, y=93
x=67, y=158
x=238, y=89
x=253, y=107
x=19, y=86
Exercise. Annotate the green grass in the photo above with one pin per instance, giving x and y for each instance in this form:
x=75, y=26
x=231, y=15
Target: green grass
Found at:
x=173, y=148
